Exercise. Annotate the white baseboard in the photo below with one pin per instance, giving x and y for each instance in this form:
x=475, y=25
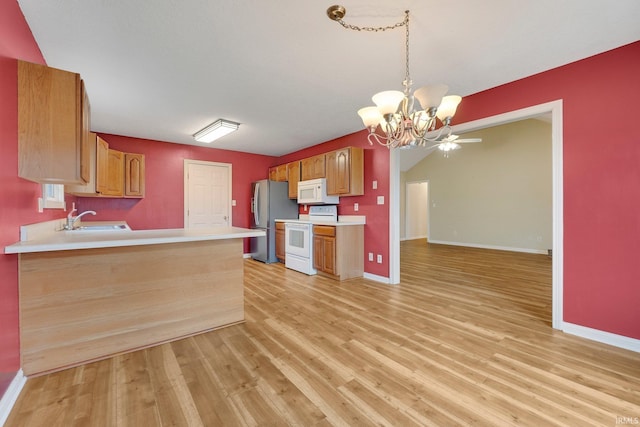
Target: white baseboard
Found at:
x=377, y=278
x=497, y=248
x=11, y=395
x=602, y=336
x=246, y=255
x=413, y=238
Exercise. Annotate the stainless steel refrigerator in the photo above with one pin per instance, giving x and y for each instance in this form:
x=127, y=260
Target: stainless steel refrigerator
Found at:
x=269, y=201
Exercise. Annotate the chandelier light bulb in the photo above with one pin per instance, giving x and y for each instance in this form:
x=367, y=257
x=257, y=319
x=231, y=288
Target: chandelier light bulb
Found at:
x=431, y=96
x=447, y=108
x=370, y=117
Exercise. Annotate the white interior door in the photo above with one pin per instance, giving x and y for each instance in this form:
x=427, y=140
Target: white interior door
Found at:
x=417, y=210
x=207, y=193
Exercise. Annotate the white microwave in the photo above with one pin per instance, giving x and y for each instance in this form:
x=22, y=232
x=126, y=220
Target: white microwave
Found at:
x=314, y=192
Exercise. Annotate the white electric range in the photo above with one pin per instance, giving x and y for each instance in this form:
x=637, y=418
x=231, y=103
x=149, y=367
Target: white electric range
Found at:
x=299, y=238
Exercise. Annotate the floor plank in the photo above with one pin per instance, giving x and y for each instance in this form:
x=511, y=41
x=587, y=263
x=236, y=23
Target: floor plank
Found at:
x=465, y=339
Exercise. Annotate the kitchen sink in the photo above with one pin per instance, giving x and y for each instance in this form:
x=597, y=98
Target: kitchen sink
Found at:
x=102, y=227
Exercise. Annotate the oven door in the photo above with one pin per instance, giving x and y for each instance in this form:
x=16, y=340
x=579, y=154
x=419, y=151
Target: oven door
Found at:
x=297, y=239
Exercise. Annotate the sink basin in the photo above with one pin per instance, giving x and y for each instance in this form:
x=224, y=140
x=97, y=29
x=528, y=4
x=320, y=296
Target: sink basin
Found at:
x=102, y=227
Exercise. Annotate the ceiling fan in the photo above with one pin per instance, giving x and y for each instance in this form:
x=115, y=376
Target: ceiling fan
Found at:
x=451, y=142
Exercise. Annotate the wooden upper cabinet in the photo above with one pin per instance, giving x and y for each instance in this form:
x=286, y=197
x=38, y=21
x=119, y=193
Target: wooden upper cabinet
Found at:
x=293, y=172
x=134, y=175
x=51, y=125
x=115, y=174
x=345, y=172
x=112, y=173
x=102, y=165
x=278, y=173
x=88, y=139
x=312, y=167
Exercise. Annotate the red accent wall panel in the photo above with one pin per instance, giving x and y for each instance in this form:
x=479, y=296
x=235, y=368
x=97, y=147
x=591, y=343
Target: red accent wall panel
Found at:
x=601, y=146
x=19, y=198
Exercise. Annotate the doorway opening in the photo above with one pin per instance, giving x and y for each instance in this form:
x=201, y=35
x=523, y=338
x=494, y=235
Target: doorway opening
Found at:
x=416, y=210
x=554, y=110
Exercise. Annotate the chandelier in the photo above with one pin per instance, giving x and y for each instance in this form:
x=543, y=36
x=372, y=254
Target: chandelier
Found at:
x=403, y=125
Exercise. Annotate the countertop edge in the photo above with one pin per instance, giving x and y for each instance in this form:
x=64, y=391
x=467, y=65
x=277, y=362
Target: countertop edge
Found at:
x=97, y=240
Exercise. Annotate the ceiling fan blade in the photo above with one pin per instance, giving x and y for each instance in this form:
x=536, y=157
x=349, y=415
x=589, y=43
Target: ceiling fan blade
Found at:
x=467, y=140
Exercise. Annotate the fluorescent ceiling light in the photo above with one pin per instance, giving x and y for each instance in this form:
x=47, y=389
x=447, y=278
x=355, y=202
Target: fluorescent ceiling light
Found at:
x=216, y=130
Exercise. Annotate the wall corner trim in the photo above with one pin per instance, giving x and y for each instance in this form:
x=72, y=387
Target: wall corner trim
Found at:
x=601, y=336
x=11, y=396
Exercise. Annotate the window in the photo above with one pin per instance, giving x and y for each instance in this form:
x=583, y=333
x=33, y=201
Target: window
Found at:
x=52, y=197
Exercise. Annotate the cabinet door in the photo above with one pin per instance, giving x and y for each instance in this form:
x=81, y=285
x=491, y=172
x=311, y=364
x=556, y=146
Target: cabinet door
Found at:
x=293, y=172
x=339, y=171
x=280, y=251
x=87, y=140
x=134, y=175
x=102, y=165
x=313, y=167
x=115, y=173
x=50, y=125
x=318, y=253
x=281, y=174
x=273, y=173
x=329, y=255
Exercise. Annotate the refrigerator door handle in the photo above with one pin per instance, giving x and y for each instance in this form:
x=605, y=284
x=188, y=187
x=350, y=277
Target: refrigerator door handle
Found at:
x=254, y=206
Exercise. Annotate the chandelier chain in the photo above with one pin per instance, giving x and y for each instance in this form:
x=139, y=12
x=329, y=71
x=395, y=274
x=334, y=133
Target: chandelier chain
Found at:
x=405, y=22
x=407, y=79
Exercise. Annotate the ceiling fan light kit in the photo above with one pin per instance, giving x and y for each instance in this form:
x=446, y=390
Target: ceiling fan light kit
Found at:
x=403, y=125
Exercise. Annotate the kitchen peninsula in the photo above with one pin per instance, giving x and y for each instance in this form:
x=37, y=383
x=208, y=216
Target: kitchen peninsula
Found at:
x=89, y=295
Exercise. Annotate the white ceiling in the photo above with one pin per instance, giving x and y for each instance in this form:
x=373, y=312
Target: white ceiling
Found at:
x=164, y=69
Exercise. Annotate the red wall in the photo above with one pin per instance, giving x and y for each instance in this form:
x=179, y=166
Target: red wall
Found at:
x=601, y=180
x=163, y=204
x=376, y=167
x=18, y=198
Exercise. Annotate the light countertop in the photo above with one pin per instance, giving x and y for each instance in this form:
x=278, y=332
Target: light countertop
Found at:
x=343, y=220
x=70, y=240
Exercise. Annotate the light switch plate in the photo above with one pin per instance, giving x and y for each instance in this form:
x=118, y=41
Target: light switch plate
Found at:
x=356, y=207
x=381, y=200
x=375, y=185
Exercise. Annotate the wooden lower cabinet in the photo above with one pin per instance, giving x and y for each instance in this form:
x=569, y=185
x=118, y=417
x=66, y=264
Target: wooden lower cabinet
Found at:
x=338, y=251
x=280, y=253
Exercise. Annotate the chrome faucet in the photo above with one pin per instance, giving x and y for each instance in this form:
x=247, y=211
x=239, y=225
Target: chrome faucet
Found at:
x=71, y=220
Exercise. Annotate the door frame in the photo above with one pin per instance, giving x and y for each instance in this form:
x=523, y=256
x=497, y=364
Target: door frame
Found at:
x=188, y=162
x=555, y=109
x=406, y=207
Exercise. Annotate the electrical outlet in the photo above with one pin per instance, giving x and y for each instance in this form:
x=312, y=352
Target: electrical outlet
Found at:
x=233, y=203
x=356, y=207
x=371, y=256
x=381, y=200
x=379, y=259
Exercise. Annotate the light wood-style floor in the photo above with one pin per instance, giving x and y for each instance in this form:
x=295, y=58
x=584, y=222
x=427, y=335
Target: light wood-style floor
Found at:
x=465, y=339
